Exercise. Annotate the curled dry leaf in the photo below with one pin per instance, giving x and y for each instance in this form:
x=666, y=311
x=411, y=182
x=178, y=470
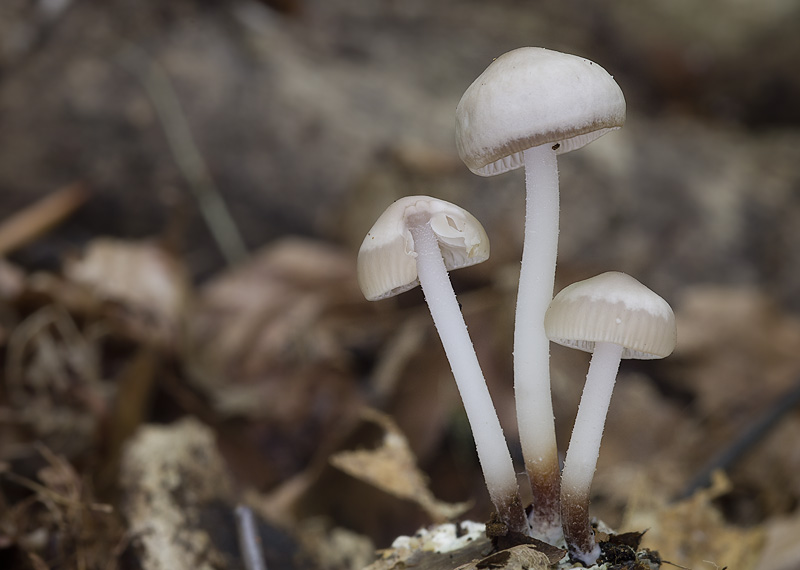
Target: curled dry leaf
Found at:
x=392, y=468
x=148, y=284
x=522, y=557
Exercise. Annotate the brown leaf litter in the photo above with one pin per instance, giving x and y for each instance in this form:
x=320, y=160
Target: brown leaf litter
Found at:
x=692, y=533
x=392, y=467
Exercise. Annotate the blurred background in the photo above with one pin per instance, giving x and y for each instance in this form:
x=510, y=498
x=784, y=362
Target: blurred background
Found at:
x=183, y=190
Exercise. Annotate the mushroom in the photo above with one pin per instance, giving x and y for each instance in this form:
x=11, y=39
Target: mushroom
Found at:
x=612, y=316
x=528, y=106
x=416, y=241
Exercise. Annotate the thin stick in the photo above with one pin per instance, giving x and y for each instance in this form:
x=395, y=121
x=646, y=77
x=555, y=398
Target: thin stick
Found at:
x=31, y=222
x=55, y=497
x=249, y=542
x=187, y=156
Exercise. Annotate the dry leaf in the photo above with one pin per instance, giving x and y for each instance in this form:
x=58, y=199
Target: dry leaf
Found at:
x=278, y=341
x=335, y=548
x=148, y=283
x=726, y=356
x=463, y=546
x=392, y=467
x=522, y=557
x=692, y=532
x=781, y=549
x=287, y=309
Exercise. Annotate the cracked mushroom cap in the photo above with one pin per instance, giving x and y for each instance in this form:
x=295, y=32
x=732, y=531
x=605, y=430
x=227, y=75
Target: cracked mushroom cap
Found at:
x=531, y=96
x=612, y=307
x=387, y=261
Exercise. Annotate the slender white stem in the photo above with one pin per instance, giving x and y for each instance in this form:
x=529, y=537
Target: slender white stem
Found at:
x=490, y=442
x=584, y=449
x=531, y=346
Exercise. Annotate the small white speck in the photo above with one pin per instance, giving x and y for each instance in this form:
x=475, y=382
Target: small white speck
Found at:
x=619, y=321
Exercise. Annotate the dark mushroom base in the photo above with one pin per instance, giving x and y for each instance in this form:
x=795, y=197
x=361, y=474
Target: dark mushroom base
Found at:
x=544, y=514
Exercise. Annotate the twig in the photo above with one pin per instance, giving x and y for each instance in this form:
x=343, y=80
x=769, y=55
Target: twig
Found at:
x=187, y=156
x=33, y=221
x=44, y=492
x=249, y=543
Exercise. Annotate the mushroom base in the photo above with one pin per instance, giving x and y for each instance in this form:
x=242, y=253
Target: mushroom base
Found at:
x=577, y=530
x=544, y=515
x=511, y=518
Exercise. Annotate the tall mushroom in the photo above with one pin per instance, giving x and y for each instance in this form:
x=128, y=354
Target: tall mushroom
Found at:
x=612, y=316
x=416, y=241
x=528, y=106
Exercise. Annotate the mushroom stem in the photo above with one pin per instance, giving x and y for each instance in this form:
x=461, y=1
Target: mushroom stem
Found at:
x=531, y=346
x=584, y=448
x=493, y=454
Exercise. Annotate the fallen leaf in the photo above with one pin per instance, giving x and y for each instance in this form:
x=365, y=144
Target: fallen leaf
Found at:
x=392, y=468
x=781, y=548
x=692, y=532
x=145, y=281
x=522, y=557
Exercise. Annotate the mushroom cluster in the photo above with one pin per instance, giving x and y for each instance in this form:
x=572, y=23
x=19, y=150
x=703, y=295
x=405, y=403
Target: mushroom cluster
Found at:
x=527, y=107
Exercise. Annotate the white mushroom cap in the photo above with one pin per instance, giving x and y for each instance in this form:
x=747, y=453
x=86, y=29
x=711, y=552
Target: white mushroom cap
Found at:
x=387, y=260
x=612, y=307
x=532, y=96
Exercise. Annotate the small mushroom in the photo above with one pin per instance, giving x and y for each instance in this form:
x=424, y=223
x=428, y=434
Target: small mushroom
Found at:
x=416, y=241
x=612, y=316
x=528, y=106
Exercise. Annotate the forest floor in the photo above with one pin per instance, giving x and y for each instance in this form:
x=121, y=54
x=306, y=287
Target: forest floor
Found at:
x=183, y=190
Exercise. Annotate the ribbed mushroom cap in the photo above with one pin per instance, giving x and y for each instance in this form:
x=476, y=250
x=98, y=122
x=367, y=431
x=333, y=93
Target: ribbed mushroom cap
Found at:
x=612, y=307
x=532, y=96
x=387, y=260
